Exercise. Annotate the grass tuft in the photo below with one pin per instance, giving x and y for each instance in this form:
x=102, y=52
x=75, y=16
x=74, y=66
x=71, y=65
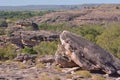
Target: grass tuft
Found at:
x=85, y=74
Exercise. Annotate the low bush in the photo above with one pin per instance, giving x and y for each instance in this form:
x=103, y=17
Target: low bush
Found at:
x=7, y=52
x=98, y=77
x=84, y=73
x=28, y=50
x=46, y=48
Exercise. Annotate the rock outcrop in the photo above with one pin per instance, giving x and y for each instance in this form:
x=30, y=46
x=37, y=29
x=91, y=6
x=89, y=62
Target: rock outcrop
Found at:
x=85, y=54
x=25, y=57
x=32, y=38
x=27, y=23
x=88, y=15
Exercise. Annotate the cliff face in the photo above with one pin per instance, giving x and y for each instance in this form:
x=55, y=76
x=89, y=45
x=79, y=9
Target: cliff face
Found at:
x=85, y=54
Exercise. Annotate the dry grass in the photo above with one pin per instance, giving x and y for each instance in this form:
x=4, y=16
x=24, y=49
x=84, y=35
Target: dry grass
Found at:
x=40, y=65
x=23, y=66
x=97, y=77
x=44, y=76
x=83, y=73
x=57, y=68
x=69, y=76
x=8, y=61
x=47, y=76
x=56, y=78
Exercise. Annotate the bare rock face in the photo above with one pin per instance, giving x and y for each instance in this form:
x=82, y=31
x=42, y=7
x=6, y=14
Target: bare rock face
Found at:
x=24, y=57
x=32, y=38
x=62, y=60
x=25, y=23
x=85, y=54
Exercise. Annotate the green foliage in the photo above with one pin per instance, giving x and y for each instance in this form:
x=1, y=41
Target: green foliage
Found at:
x=21, y=14
x=90, y=32
x=28, y=50
x=110, y=39
x=7, y=52
x=53, y=27
x=46, y=48
x=107, y=36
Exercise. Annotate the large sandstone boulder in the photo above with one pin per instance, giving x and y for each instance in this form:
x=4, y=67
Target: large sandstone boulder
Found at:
x=85, y=54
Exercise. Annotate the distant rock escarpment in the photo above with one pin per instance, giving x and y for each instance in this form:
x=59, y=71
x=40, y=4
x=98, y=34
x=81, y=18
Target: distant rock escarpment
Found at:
x=88, y=15
x=87, y=55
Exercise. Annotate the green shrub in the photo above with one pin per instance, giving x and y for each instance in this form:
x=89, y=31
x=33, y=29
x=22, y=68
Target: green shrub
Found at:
x=40, y=65
x=21, y=14
x=90, y=32
x=53, y=27
x=110, y=40
x=7, y=52
x=46, y=48
x=84, y=73
x=28, y=50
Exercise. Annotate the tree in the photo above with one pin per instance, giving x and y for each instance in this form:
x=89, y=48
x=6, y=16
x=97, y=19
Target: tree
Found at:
x=90, y=32
x=110, y=40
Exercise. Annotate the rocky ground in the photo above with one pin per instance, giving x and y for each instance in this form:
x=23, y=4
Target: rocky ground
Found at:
x=33, y=67
x=15, y=70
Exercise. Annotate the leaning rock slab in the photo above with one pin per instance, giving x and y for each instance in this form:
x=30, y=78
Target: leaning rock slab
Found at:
x=85, y=54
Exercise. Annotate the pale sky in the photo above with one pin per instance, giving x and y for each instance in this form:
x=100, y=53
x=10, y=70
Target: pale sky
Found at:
x=54, y=2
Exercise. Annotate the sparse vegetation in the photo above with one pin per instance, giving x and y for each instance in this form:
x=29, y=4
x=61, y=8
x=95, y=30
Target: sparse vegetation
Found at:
x=46, y=48
x=83, y=73
x=97, y=77
x=56, y=78
x=22, y=66
x=107, y=36
x=15, y=15
x=69, y=76
x=28, y=50
x=7, y=52
x=110, y=39
x=40, y=65
x=45, y=76
x=57, y=68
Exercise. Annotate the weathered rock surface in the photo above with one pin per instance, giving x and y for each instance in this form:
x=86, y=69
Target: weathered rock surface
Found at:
x=89, y=15
x=12, y=70
x=86, y=54
x=25, y=57
x=26, y=23
x=32, y=38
